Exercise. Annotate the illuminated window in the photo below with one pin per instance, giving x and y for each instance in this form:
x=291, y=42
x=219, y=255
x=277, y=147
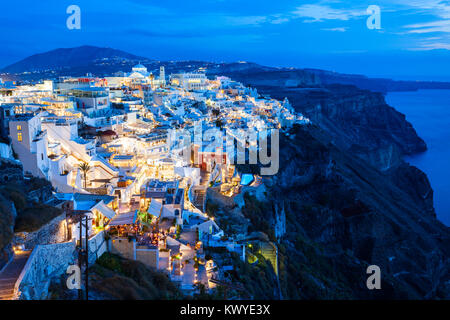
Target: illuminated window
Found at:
x=19, y=128
x=19, y=136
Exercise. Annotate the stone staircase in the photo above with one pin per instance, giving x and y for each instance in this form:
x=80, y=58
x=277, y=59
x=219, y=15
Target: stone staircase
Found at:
x=269, y=252
x=199, y=199
x=230, y=174
x=10, y=274
x=204, y=178
x=200, y=191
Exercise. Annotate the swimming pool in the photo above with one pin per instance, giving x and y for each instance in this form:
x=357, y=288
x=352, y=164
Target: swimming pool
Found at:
x=246, y=179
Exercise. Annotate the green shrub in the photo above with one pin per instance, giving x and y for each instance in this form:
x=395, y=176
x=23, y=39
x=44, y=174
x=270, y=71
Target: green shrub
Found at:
x=17, y=196
x=37, y=183
x=6, y=222
x=110, y=261
x=131, y=279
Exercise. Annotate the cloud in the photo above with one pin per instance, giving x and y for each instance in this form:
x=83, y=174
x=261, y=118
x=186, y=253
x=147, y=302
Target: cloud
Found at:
x=432, y=46
x=279, y=19
x=429, y=27
x=318, y=12
x=439, y=8
x=246, y=20
x=257, y=20
x=339, y=29
x=433, y=43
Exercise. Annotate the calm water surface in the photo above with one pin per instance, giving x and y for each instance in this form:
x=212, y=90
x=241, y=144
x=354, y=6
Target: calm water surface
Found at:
x=429, y=112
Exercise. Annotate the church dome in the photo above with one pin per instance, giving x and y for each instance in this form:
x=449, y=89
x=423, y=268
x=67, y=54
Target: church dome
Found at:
x=139, y=67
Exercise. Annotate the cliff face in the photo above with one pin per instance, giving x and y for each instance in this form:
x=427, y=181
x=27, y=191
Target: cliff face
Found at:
x=375, y=84
x=21, y=205
x=344, y=199
x=358, y=121
x=7, y=217
x=259, y=76
x=342, y=216
x=9, y=171
x=332, y=215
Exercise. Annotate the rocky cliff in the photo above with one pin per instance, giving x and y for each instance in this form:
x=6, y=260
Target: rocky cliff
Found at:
x=21, y=205
x=344, y=199
x=9, y=171
x=358, y=121
x=332, y=215
x=375, y=84
x=357, y=215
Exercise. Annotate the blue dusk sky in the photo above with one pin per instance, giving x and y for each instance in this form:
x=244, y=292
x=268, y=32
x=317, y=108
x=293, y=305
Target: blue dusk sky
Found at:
x=413, y=42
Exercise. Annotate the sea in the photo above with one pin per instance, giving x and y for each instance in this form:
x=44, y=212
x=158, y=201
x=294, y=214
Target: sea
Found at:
x=429, y=113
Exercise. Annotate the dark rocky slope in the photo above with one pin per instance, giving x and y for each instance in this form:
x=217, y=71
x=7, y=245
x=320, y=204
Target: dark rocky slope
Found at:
x=116, y=278
x=375, y=217
x=67, y=58
x=359, y=121
x=375, y=84
x=348, y=199
x=21, y=205
x=8, y=213
x=343, y=215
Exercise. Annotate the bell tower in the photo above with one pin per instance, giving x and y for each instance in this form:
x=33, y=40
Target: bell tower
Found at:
x=162, y=75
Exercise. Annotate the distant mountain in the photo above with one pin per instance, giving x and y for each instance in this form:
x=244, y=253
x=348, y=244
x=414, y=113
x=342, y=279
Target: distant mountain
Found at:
x=73, y=58
x=102, y=62
x=375, y=84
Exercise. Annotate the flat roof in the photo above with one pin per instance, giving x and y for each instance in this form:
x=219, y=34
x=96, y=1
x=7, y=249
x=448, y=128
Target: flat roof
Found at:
x=23, y=117
x=123, y=157
x=124, y=218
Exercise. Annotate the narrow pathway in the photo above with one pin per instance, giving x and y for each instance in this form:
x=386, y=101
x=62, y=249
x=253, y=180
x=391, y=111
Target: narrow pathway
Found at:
x=199, y=199
x=10, y=274
x=200, y=193
x=204, y=178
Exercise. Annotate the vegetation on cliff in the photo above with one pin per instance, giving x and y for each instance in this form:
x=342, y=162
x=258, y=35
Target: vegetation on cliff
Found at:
x=125, y=279
x=20, y=211
x=7, y=215
x=342, y=215
x=115, y=278
x=31, y=214
x=358, y=216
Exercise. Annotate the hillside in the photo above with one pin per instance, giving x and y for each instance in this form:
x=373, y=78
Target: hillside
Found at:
x=71, y=60
x=106, y=61
x=332, y=215
x=343, y=198
x=375, y=84
x=21, y=205
x=359, y=121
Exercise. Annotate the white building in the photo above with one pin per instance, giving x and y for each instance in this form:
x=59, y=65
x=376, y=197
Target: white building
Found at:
x=139, y=74
x=91, y=100
x=189, y=81
x=162, y=75
x=30, y=143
